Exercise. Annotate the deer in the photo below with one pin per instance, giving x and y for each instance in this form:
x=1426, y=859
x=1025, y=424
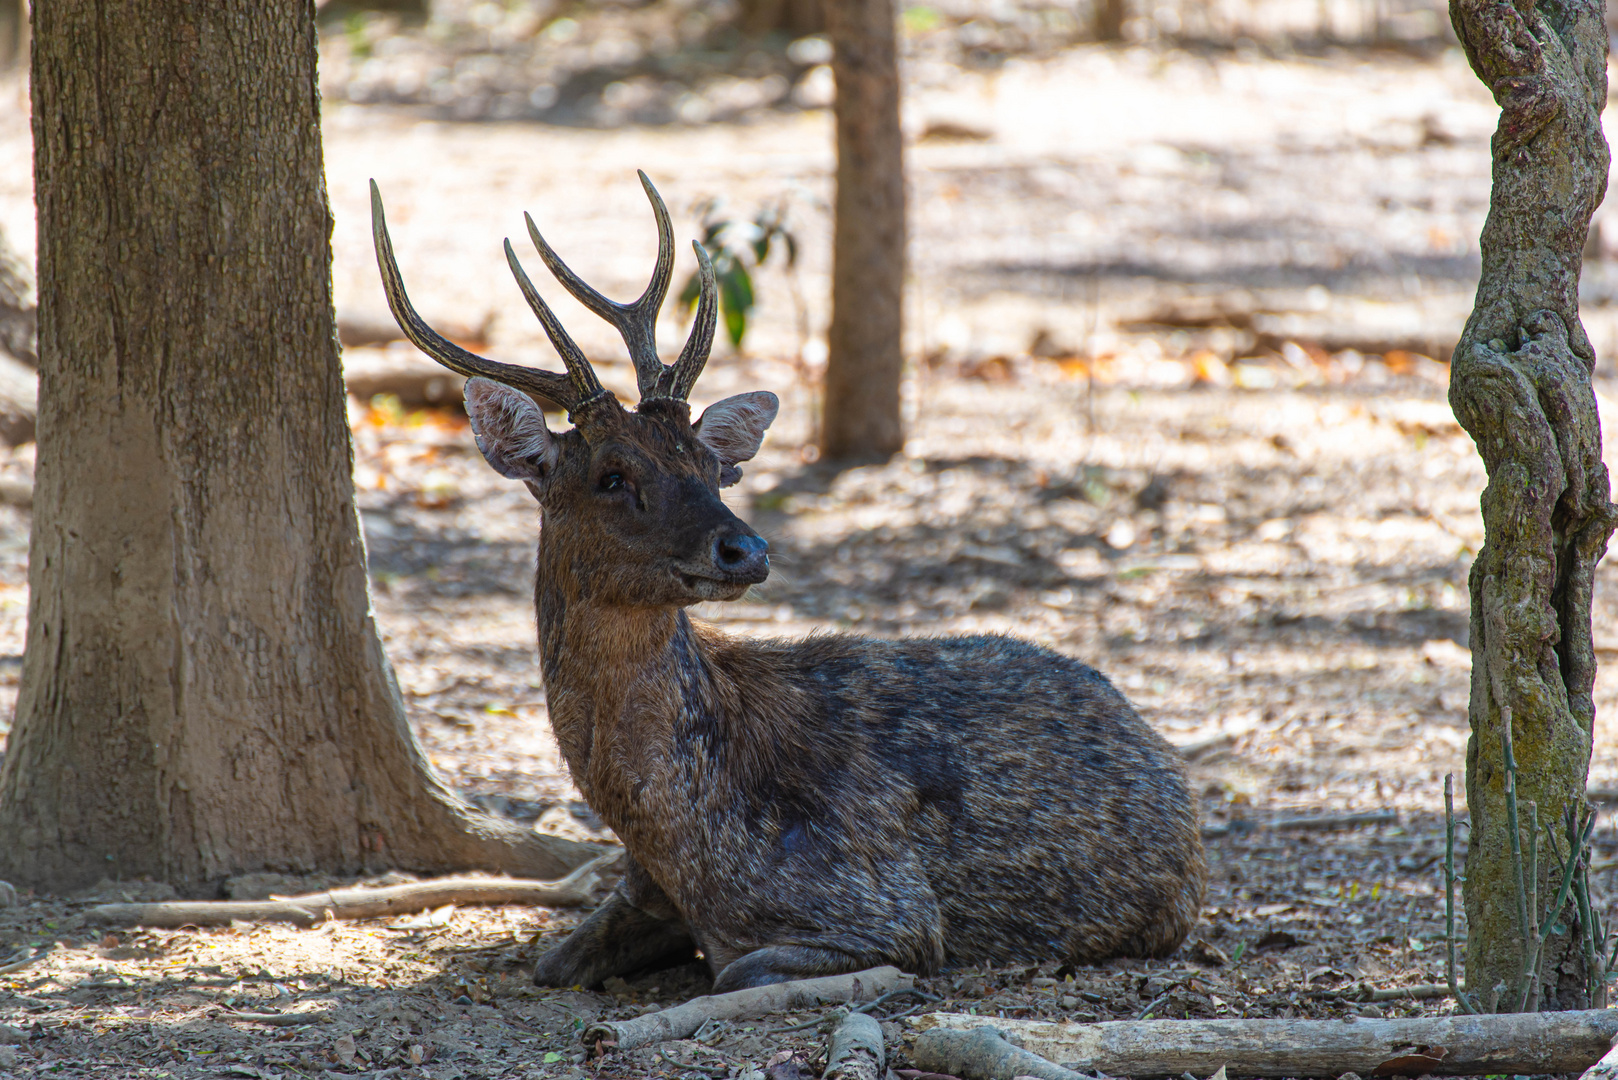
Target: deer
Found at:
x=794, y=809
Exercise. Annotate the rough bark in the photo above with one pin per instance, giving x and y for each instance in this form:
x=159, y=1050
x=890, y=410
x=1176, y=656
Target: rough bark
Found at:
x=204, y=691
x=1520, y=385
x=864, y=361
x=1428, y=1045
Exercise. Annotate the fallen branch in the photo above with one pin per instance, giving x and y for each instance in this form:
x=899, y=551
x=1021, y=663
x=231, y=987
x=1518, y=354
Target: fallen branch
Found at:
x=855, y=1050
x=27, y=961
x=290, y=1019
x=983, y=1054
x=1510, y=1044
x=682, y=1021
x=1319, y=823
x=575, y=890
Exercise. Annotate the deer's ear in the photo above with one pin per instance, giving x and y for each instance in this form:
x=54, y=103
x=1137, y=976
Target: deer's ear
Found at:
x=510, y=430
x=733, y=429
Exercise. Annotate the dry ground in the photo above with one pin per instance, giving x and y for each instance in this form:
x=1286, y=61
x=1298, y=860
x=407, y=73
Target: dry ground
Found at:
x=1207, y=484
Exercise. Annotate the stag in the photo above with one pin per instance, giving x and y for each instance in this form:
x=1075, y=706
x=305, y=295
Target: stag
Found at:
x=797, y=808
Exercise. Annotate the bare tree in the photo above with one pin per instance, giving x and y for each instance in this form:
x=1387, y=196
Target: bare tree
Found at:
x=204, y=691
x=1520, y=385
x=864, y=361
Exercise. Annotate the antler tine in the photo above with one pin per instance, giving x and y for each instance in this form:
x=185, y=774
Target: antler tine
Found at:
x=636, y=322
x=578, y=368
x=557, y=388
x=694, y=357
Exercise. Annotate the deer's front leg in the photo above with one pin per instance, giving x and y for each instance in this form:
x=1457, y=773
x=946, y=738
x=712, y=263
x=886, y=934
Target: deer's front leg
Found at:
x=634, y=929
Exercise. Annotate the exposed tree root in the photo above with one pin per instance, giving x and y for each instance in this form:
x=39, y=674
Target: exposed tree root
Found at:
x=575, y=890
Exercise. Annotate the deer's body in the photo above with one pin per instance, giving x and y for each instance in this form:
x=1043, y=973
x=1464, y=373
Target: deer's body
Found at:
x=802, y=808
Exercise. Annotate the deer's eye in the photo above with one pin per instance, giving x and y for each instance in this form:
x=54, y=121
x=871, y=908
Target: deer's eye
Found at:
x=613, y=481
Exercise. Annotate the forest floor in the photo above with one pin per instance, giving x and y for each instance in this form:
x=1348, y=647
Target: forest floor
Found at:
x=1178, y=410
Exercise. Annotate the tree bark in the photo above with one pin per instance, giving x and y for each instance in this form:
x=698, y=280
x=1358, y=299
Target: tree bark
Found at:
x=204, y=692
x=864, y=360
x=1520, y=385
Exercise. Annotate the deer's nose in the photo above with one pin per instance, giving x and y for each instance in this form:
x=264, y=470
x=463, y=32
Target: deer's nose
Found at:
x=740, y=553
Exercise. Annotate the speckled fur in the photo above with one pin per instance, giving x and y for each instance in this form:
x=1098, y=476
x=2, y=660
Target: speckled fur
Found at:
x=799, y=808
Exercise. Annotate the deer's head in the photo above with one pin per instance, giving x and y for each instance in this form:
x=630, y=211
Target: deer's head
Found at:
x=631, y=495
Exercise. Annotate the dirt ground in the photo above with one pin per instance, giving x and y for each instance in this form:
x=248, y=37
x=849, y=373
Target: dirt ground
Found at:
x=1177, y=409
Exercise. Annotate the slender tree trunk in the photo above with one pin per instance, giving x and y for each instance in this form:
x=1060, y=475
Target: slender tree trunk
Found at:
x=13, y=32
x=1108, y=23
x=864, y=360
x=1520, y=384
x=204, y=691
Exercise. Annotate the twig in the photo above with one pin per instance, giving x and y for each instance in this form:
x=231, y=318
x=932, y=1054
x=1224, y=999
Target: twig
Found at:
x=682, y=1020
x=1144, y=1013
x=575, y=890
x=290, y=1019
x=1319, y=823
x=1449, y=895
x=710, y=1070
x=28, y=961
x=905, y=991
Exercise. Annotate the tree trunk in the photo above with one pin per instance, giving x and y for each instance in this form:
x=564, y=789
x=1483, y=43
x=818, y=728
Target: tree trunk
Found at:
x=1520, y=385
x=1108, y=22
x=13, y=32
x=864, y=361
x=204, y=691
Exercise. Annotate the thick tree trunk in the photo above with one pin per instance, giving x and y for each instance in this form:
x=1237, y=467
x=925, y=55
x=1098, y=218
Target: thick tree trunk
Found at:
x=864, y=360
x=1520, y=385
x=204, y=691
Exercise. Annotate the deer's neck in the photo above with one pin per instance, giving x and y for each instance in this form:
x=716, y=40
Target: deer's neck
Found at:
x=616, y=679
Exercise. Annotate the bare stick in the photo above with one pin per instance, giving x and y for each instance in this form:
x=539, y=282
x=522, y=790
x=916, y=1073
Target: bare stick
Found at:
x=1317, y=823
x=1449, y=894
x=983, y=1054
x=575, y=890
x=290, y=1019
x=854, y=1051
x=27, y=961
x=682, y=1021
x=1485, y=1044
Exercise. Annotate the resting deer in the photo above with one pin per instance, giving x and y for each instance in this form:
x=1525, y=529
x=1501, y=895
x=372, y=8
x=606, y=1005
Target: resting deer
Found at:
x=797, y=808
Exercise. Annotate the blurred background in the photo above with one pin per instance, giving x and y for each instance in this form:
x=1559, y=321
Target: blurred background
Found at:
x=1183, y=277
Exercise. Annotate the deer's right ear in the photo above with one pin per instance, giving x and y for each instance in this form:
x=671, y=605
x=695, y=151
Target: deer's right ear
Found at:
x=510, y=430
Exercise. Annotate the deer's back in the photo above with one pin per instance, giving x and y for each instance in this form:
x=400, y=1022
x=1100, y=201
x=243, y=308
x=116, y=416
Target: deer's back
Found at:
x=1050, y=820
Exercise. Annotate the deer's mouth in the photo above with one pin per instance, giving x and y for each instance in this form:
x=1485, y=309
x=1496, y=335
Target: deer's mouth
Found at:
x=707, y=587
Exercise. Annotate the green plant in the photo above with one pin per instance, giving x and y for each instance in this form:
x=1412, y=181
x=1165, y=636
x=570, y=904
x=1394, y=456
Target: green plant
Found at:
x=738, y=247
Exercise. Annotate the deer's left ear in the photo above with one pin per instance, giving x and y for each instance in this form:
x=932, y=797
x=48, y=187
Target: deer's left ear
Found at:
x=734, y=428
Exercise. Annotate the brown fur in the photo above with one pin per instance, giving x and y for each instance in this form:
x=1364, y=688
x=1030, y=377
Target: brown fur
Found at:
x=804, y=808
x=799, y=808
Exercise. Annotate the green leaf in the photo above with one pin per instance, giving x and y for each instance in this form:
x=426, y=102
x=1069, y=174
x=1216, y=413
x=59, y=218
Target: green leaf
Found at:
x=736, y=297
x=552, y=1057
x=692, y=291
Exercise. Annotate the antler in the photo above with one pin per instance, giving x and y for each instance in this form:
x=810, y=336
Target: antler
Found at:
x=577, y=388
x=637, y=322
